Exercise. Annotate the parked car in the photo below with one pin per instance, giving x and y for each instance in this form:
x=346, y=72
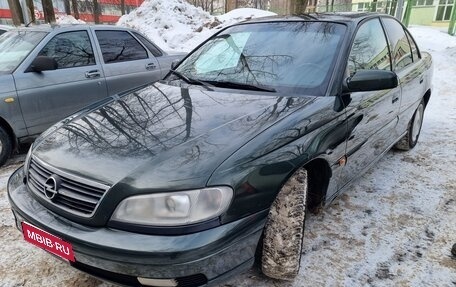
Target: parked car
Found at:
x=49, y=72
x=182, y=182
x=4, y=28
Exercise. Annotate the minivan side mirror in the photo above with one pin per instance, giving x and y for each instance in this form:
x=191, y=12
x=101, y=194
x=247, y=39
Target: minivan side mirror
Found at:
x=42, y=63
x=370, y=80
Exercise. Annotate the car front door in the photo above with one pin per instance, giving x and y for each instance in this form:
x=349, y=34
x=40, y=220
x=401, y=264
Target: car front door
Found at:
x=49, y=96
x=127, y=63
x=372, y=116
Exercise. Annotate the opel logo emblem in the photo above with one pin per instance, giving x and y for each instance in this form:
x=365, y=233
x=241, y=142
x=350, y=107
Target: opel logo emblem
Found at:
x=51, y=186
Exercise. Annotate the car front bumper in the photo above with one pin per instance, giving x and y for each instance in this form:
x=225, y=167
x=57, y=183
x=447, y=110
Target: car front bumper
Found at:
x=193, y=259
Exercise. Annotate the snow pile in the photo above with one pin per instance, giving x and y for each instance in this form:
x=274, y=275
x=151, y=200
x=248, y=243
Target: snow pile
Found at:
x=178, y=25
x=242, y=14
x=67, y=19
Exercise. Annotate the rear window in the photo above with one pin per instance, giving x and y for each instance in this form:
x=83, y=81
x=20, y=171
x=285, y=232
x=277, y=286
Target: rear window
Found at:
x=120, y=46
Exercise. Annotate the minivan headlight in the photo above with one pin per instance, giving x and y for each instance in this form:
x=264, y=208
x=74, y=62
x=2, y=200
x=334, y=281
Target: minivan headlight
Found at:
x=174, y=208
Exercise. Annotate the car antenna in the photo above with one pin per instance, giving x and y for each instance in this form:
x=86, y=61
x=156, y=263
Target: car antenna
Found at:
x=28, y=24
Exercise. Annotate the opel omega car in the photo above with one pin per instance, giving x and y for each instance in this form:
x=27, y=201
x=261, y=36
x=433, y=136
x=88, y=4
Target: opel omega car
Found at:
x=185, y=181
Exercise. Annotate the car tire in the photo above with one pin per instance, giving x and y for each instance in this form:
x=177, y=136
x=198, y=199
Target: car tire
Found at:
x=6, y=146
x=413, y=131
x=284, y=229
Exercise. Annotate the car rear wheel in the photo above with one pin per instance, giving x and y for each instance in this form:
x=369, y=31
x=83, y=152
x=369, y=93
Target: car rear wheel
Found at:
x=283, y=233
x=6, y=146
x=414, y=129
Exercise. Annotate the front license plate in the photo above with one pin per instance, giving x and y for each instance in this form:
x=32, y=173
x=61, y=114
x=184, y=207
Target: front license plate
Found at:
x=47, y=241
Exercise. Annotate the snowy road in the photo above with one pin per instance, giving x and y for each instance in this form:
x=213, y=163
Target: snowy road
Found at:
x=394, y=227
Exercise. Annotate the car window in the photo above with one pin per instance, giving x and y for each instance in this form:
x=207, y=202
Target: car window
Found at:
x=120, y=46
x=415, y=53
x=370, y=49
x=70, y=49
x=154, y=50
x=400, y=47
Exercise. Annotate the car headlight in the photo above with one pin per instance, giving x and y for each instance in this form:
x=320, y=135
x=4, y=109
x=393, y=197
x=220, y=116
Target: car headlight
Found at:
x=174, y=208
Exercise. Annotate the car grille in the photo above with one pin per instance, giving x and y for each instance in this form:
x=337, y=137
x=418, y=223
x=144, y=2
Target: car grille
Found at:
x=76, y=195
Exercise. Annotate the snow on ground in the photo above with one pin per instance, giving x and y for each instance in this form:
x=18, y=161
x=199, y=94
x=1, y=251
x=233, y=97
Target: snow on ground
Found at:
x=394, y=227
x=178, y=25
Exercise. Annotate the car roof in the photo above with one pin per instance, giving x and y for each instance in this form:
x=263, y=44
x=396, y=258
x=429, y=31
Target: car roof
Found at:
x=343, y=17
x=6, y=27
x=64, y=27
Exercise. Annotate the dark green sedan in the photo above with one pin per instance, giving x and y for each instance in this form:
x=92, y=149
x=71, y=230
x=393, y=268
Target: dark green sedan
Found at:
x=186, y=181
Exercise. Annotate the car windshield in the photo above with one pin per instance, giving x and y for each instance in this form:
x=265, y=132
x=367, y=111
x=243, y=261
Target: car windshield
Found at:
x=15, y=46
x=291, y=57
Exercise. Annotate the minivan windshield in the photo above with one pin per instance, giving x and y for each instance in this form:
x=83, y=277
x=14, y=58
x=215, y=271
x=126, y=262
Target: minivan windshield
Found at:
x=293, y=57
x=15, y=46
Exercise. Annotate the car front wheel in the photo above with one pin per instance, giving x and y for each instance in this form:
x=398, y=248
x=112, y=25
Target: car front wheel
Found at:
x=283, y=233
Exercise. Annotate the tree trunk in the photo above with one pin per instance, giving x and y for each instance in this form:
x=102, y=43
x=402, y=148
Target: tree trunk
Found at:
x=16, y=12
x=122, y=7
x=66, y=4
x=31, y=10
x=374, y=6
x=74, y=3
x=48, y=10
x=298, y=6
x=96, y=12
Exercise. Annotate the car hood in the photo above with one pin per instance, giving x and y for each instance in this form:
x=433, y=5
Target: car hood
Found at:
x=161, y=136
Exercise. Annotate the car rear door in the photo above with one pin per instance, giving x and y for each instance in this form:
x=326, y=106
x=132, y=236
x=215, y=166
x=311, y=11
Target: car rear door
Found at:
x=49, y=96
x=372, y=116
x=126, y=61
x=409, y=68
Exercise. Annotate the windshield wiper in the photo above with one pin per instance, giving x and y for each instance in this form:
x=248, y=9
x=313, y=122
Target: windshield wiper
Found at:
x=190, y=80
x=234, y=85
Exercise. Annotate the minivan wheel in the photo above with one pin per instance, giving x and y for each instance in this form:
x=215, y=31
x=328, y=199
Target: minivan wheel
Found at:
x=6, y=146
x=283, y=232
x=414, y=129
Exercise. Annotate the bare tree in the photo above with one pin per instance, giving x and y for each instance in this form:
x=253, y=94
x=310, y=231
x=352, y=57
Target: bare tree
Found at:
x=298, y=6
x=16, y=12
x=31, y=10
x=66, y=4
x=96, y=12
x=48, y=10
x=122, y=7
x=74, y=3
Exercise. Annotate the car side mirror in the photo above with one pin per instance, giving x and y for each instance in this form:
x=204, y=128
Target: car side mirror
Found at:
x=42, y=63
x=370, y=80
x=175, y=63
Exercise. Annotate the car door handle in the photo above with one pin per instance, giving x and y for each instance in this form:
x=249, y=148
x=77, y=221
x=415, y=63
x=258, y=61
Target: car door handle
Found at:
x=421, y=80
x=92, y=74
x=395, y=100
x=150, y=66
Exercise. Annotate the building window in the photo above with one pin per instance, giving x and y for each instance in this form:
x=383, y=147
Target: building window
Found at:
x=424, y=3
x=444, y=10
x=363, y=7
